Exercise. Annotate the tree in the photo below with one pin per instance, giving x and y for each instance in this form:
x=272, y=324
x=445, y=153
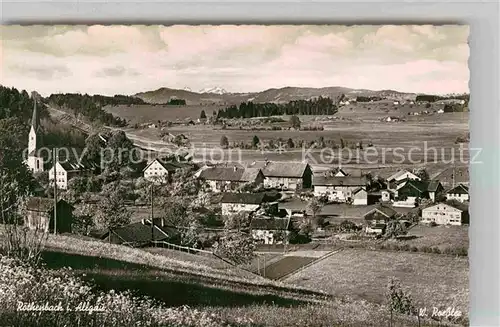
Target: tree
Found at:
x=314, y=207
x=224, y=142
x=236, y=246
x=290, y=143
x=397, y=299
x=295, y=122
x=422, y=173
x=255, y=141
x=203, y=115
x=16, y=180
x=111, y=211
x=394, y=229
x=83, y=221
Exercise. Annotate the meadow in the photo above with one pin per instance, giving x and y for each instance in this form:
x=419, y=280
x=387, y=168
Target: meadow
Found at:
x=433, y=280
x=442, y=237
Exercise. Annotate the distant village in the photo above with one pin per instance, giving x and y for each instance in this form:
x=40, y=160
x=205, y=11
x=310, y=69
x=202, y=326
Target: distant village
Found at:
x=275, y=195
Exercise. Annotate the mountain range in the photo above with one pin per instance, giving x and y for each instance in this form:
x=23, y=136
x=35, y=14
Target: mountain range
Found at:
x=281, y=95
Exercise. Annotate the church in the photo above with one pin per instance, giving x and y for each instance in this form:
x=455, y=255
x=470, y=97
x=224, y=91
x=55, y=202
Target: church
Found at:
x=35, y=161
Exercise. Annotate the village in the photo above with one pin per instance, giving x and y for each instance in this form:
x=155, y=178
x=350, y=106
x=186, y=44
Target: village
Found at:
x=281, y=202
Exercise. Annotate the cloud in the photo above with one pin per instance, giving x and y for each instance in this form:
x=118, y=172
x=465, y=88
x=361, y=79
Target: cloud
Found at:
x=95, y=59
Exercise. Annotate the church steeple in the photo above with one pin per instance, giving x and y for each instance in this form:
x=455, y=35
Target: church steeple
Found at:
x=35, y=121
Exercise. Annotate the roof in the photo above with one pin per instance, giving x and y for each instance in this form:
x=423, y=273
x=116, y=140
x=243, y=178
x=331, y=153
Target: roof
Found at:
x=417, y=185
x=169, y=165
x=233, y=174
x=459, y=189
x=250, y=174
x=433, y=185
x=72, y=159
x=35, y=119
x=358, y=189
x=398, y=174
x=138, y=233
x=461, y=207
x=456, y=174
x=320, y=180
x=384, y=210
x=41, y=204
x=245, y=198
x=269, y=223
x=282, y=169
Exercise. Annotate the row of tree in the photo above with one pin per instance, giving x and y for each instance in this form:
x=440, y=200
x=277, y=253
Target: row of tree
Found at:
x=318, y=106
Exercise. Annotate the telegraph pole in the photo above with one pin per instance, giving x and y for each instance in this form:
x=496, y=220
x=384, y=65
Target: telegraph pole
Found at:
x=152, y=216
x=54, y=151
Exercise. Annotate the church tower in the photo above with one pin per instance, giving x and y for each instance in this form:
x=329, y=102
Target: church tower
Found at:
x=35, y=163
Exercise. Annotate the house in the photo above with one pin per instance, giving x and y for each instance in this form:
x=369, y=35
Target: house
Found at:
x=40, y=215
x=453, y=176
x=70, y=164
x=377, y=218
x=360, y=196
x=270, y=230
x=35, y=161
x=223, y=179
x=445, y=214
x=397, y=178
x=286, y=175
x=409, y=192
x=140, y=234
x=233, y=203
x=459, y=193
x=338, y=189
x=434, y=188
x=385, y=195
x=160, y=170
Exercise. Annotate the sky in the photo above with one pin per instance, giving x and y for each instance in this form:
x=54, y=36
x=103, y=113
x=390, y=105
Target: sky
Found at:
x=119, y=59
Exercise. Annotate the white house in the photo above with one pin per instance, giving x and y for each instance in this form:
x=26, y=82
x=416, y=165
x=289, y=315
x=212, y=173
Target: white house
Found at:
x=222, y=179
x=233, y=203
x=339, y=189
x=34, y=160
x=68, y=167
x=285, y=175
x=445, y=214
x=270, y=230
x=401, y=176
x=360, y=196
x=459, y=193
x=160, y=170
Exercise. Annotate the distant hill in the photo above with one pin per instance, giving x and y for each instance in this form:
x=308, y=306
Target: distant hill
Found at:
x=283, y=95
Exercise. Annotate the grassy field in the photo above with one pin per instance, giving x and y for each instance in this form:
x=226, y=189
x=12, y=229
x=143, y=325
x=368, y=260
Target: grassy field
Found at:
x=442, y=237
x=150, y=113
x=286, y=265
x=434, y=280
x=431, y=140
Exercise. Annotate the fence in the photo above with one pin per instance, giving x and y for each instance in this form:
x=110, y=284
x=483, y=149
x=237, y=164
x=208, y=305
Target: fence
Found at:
x=187, y=249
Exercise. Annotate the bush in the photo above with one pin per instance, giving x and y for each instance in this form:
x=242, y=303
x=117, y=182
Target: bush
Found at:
x=20, y=283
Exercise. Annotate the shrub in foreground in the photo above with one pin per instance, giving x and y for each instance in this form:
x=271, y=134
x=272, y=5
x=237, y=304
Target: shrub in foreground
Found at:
x=25, y=290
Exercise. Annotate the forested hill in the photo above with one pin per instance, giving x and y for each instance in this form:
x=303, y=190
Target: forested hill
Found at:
x=18, y=104
x=16, y=111
x=90, y=107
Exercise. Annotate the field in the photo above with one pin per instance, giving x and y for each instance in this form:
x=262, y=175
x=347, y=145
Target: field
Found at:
x=153, y=113
x=434, y=280
x=421, y=140
x=442, y=237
